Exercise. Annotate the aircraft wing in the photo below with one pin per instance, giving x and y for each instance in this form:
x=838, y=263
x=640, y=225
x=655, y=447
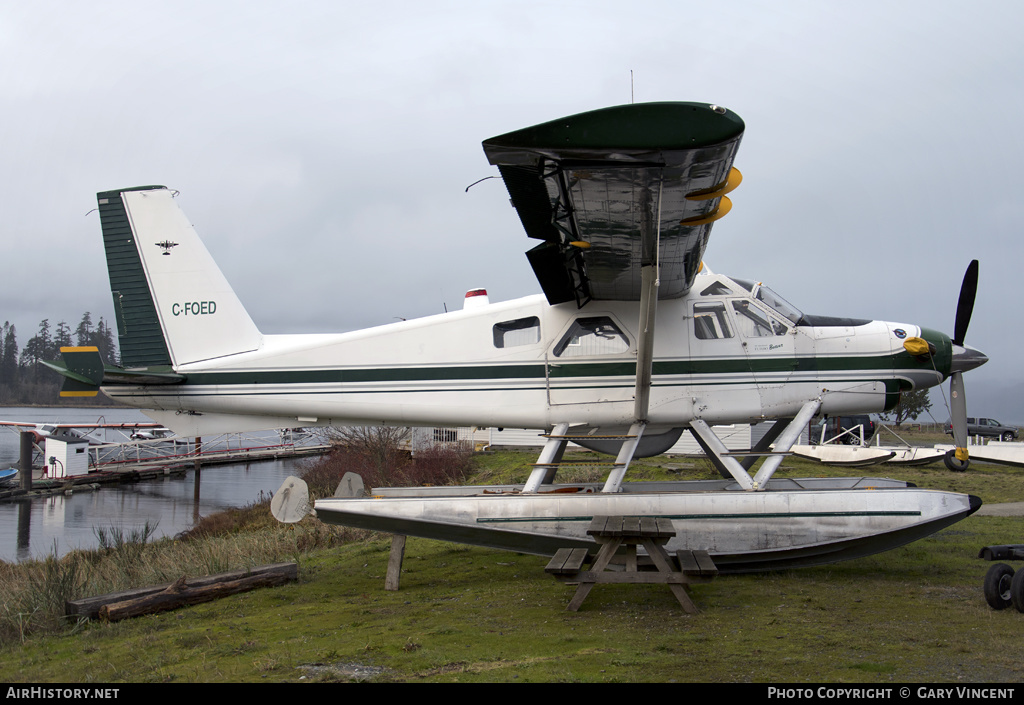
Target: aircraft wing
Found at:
x=612, y=190
x=126, y=424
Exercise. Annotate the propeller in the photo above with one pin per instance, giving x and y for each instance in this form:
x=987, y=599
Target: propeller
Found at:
x=958, y=459
x=965, y=306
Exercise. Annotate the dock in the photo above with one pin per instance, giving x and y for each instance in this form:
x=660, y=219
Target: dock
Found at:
x=141, y=460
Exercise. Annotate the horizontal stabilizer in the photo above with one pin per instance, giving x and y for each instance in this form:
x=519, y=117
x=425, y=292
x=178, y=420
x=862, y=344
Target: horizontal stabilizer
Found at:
x=85, y=372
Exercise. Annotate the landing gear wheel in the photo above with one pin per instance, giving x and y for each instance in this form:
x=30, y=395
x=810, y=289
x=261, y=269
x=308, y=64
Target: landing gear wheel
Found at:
x=998, y=586
x=953, y=464
x=1017, y=590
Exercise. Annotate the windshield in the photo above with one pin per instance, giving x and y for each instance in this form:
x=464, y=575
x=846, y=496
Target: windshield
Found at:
x=778, y=303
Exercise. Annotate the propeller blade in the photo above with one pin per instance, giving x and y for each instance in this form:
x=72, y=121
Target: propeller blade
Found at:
x=958, y=414
x=965, y=306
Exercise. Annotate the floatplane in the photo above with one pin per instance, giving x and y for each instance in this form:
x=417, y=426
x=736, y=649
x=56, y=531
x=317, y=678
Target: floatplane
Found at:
x=94, y=433
x=632, y=342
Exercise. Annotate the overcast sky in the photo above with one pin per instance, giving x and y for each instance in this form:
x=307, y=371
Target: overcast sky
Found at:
x=323, y=149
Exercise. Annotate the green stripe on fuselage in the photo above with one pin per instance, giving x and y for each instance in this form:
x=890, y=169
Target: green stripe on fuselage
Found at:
x=800, y=366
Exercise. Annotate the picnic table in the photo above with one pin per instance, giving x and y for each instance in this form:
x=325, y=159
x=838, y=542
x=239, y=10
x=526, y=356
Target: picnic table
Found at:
x=613, y=533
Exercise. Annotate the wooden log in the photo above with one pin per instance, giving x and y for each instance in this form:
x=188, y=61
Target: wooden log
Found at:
x=275, y=574
x=179, y=594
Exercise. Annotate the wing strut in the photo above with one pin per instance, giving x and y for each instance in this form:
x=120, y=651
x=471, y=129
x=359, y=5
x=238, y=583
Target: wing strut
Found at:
x=650, y=235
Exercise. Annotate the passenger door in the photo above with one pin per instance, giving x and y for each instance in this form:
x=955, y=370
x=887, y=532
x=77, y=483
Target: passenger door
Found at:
x=593, y=361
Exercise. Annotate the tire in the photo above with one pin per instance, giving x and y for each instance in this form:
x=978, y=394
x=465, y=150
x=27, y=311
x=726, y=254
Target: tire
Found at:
x=998, y=586
x=953, y=464
x=1006, y=437
x=1017, y=590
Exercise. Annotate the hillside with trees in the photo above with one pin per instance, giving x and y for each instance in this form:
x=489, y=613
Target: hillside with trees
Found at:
x=25, y=381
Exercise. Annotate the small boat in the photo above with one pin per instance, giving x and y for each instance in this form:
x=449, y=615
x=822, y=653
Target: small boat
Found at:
x=8, y=477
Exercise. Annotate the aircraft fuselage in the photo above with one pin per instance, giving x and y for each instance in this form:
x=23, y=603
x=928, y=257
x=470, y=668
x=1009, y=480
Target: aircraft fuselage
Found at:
x=727, y=352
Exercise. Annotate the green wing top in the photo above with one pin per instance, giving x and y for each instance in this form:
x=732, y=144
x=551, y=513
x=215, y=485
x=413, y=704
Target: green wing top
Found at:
x=612, y=190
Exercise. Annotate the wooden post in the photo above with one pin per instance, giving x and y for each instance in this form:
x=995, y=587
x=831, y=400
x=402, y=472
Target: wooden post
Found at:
x=25, y=461
x=395, y=562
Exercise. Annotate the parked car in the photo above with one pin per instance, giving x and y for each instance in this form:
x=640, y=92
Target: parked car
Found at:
x=836, y=425
x=989, y=428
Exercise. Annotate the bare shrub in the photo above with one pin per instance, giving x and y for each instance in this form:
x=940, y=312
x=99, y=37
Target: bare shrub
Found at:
x=442, y=464
x=378, y=456
x=375, y=453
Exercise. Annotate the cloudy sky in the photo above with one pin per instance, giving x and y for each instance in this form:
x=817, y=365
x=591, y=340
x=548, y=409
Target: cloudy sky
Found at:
x=323, y=149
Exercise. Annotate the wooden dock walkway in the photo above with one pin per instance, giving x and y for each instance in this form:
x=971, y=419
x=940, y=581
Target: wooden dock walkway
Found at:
x=140, y=470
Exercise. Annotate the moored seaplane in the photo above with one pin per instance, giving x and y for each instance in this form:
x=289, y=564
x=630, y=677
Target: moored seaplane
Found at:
x=94, y=433
x=632, y=342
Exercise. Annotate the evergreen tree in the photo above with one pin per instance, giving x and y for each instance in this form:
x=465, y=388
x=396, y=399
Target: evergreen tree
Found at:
x=39, y=347
x=84, y=332
x=9, y=362
x=103, y=338
x=3, y=344
x=23, y=380
x=62, y=337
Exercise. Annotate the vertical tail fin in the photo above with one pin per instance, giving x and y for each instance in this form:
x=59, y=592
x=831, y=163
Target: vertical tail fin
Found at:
x=172, y=303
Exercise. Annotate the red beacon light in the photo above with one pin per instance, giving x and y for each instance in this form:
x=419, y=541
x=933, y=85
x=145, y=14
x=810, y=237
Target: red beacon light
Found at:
x=475, y=298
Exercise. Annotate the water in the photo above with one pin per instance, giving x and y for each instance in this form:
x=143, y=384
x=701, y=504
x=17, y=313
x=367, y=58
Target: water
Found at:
x=39, y=527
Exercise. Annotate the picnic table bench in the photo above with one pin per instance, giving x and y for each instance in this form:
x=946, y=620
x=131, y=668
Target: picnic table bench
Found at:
x=613, y=533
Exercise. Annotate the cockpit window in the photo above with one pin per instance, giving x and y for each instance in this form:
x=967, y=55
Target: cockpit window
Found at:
x=522, y=331
x=771, y=299
x=710, y=321
x=778, y=304
x=754, y=323
x=592, y=336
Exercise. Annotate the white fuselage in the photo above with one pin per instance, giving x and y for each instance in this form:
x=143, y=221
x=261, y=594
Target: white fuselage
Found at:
x=723, y=354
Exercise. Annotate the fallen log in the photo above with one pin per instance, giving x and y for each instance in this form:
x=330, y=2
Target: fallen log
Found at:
x=158, y=598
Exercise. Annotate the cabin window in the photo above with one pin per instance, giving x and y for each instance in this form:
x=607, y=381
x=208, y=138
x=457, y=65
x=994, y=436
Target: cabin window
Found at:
x=592, y=336
x=755, y=323
x=522, y=331
x=710, y=321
